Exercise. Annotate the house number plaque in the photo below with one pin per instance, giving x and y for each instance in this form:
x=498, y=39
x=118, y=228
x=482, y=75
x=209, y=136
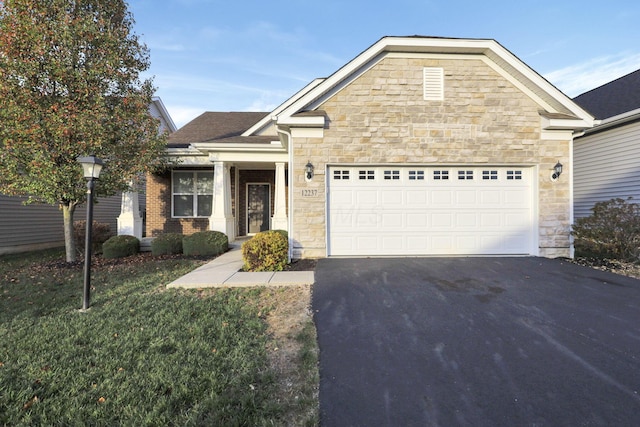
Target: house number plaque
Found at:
x=310, y=192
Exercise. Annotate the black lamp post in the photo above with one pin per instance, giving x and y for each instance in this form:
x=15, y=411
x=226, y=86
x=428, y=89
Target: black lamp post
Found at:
x=91, y=166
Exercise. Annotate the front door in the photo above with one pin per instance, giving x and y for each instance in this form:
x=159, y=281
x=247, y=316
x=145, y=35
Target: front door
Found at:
x=258, y=208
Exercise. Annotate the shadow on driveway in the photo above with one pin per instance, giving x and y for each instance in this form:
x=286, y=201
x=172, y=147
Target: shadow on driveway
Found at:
x=476, y=341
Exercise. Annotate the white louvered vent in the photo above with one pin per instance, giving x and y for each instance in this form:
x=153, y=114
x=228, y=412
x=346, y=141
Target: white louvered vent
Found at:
x=433, y=84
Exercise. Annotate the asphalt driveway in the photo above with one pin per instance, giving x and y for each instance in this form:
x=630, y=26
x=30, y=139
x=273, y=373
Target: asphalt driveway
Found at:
x=476, y=341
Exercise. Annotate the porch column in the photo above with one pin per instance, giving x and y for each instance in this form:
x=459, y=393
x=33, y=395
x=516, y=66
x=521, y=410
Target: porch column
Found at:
x=129, y=221
x=279, y=221
x=221, y=218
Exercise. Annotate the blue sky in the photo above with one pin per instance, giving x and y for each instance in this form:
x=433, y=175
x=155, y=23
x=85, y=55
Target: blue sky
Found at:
x=251, y=55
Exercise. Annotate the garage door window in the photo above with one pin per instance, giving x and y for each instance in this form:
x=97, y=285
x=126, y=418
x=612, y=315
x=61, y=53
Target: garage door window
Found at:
x=514, y=175
x=440, y=175
x=489, y=175
x=341, y=175
x=366, y=175
x=416, y=175
x=465, y=175
x=393, y=175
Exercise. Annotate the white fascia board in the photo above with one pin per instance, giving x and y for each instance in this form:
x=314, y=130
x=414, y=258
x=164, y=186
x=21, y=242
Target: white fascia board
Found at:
x=614, y=121
x=275, y=146
x=565, y=124
x=301, y=121
x=531, y=75
x=238, y=157
x=269, y=118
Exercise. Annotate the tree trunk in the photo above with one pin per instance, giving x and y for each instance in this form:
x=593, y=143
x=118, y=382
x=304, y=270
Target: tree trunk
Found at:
x=69, y=238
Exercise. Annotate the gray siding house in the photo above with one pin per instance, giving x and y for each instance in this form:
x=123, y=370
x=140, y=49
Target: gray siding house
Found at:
x=37, y=226
x=607, y=156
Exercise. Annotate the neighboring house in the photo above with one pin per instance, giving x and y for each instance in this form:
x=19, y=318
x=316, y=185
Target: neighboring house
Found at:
x=38, y=226
x=418, y=146
x=607, y=157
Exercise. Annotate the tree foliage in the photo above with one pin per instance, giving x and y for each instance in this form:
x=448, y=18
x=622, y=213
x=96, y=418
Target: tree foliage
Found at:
x=71, y=86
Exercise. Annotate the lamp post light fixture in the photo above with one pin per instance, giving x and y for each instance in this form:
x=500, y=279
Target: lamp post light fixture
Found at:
x=557, y=171
x=91, y=166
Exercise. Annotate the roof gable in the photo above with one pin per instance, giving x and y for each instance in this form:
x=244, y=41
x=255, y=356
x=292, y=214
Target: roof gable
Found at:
x=544, y=93
x=614, y=98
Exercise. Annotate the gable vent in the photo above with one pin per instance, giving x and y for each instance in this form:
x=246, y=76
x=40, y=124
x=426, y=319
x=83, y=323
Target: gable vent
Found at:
x=433, y=84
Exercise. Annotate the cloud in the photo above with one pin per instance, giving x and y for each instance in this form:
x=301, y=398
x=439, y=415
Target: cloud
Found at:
x=595, y=72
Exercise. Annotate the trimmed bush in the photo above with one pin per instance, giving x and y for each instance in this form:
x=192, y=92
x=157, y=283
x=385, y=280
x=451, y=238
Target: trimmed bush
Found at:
x=612, y=231
x=266, y=251
x=205, y=243
x=100, y=233
x=167, y=244
x=120, y=246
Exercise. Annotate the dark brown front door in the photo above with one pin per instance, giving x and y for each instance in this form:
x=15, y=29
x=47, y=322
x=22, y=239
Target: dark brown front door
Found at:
x=258, y=207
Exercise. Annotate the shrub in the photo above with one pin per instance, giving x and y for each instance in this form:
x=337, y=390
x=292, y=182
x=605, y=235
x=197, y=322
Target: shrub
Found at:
x=266, y=251
x=205, y=243
x=612, y=231
x=100, y=233
x=120, y=246
x=167, y=244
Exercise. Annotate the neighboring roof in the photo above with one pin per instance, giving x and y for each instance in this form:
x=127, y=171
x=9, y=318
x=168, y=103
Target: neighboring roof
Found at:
x=614, y=98
x=215, y=126
x=547, y=95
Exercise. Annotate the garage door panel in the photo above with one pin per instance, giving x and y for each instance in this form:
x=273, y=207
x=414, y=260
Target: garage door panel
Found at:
x=419, y=212
x=366, y=197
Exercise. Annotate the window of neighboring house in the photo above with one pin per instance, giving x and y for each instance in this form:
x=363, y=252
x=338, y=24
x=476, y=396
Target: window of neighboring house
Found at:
x=192, y=193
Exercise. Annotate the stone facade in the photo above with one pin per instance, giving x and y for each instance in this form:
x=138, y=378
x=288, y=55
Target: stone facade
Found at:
x=382, y=118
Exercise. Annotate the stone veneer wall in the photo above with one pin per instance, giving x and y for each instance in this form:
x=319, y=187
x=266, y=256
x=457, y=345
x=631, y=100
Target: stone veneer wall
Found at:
x=382, y=118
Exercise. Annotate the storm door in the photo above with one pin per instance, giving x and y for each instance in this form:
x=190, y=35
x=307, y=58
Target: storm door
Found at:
x=258, y=207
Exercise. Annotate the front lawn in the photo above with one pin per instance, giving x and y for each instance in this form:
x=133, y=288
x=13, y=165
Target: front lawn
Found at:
x=143, y=355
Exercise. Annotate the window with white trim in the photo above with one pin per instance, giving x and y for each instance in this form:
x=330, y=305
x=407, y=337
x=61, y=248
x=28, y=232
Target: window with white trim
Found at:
x=192, y=193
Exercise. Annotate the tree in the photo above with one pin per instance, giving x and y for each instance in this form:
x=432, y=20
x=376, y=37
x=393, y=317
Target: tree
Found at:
x=70, y=86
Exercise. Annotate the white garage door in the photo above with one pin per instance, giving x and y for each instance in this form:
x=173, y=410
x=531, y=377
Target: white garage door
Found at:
x=460, y=210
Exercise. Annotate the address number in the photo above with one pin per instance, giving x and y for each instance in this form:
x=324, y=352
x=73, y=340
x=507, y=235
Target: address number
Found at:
x=309, y=193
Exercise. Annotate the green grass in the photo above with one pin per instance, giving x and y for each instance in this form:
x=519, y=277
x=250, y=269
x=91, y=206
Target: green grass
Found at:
x=141, y=356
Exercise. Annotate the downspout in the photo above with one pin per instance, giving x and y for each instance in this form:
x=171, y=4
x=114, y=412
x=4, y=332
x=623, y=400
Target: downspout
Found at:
x=571, y=201
x=289, y=138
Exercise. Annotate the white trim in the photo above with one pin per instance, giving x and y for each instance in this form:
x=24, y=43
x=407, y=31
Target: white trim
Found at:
x=270, y=118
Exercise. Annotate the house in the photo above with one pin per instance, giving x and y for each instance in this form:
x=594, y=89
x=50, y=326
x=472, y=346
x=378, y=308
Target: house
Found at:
x=40, y=226
x=417, y=146
x=607, y=156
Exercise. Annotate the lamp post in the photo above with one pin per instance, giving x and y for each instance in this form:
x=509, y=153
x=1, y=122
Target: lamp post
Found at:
x=91, y=166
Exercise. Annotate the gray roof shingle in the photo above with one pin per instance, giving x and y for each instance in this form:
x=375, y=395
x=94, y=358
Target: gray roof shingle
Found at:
x=614, y=98
x=212, y=126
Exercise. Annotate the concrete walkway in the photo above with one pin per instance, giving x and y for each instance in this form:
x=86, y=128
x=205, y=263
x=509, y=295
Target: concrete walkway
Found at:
x=223, y=272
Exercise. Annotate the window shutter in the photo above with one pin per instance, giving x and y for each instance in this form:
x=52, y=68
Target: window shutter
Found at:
x=433, y=84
